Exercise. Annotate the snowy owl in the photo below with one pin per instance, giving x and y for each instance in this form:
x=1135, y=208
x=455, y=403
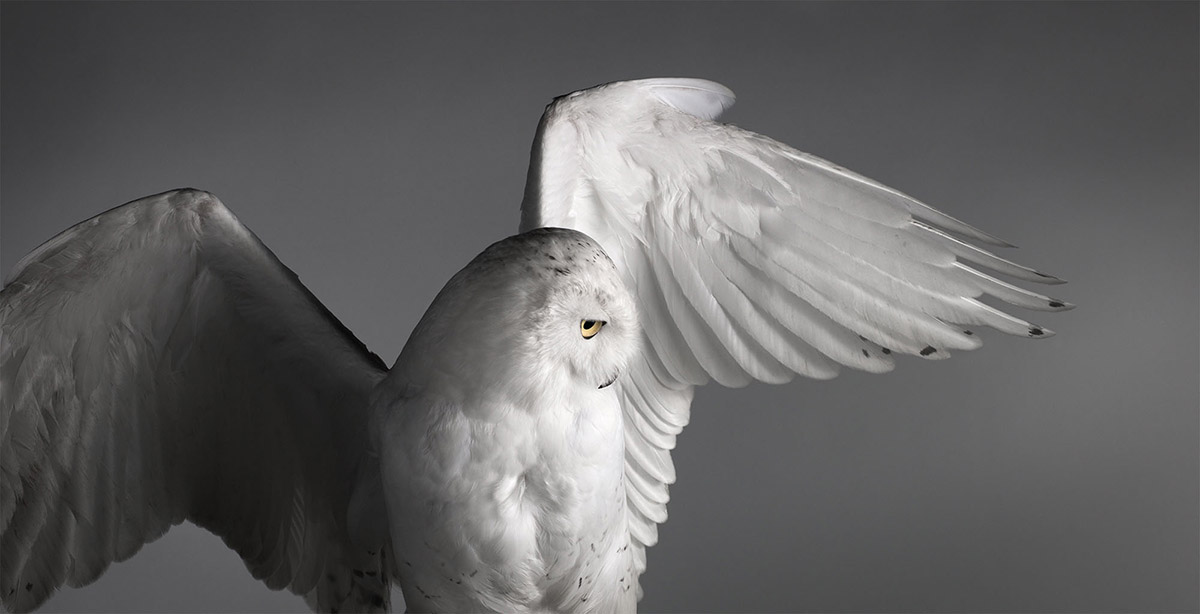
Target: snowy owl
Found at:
x=502, y=439
x=159, y=364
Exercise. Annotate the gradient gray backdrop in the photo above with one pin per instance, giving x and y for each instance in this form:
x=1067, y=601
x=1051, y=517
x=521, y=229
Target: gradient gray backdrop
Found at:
x=377, y=147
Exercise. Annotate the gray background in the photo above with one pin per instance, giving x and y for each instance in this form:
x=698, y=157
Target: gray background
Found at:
x=377, y=147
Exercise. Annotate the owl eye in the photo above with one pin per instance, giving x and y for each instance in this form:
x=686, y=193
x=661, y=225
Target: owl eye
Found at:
x=589, y=328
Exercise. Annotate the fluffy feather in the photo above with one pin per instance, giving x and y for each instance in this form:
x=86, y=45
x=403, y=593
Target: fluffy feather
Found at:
x=159, y=364
x=502, y=440
x=751, y=260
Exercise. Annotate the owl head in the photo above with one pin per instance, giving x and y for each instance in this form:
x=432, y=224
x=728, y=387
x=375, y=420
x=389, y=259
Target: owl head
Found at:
x=541, y=313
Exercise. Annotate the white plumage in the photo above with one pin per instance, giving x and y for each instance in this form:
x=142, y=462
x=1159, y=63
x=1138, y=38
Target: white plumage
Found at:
x=501, y=437
x=159, y=364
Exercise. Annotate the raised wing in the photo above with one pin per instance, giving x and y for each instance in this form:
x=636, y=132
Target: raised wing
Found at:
x=751, y=260
x=160, y=364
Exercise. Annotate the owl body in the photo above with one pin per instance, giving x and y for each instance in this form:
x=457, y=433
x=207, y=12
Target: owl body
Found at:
x=502, y=442
x=519, y=509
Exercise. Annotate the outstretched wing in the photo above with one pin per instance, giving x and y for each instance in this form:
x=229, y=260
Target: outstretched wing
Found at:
x=160, y=364
x=751, y=260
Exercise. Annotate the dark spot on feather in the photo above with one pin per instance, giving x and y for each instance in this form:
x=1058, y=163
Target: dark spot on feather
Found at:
x=929, y=349
x=473, y=573
x=560, y=271
x=407, y=563
x=862, y=338
x=967, y=332
x=580, y=585
x=551, y=257
x=886, y=351
x=1057, y=304
x=865, y=353
x=1036, y=332
x=29, y=586
x=593, y=547
x=583, y=598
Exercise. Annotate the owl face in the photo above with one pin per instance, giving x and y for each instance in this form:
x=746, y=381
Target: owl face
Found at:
x=586, y=323
x=543, y=313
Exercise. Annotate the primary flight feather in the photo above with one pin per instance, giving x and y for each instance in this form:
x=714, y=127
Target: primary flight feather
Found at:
x=160, y=365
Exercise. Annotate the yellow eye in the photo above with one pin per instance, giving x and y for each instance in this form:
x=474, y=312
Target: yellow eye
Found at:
x=589, y=328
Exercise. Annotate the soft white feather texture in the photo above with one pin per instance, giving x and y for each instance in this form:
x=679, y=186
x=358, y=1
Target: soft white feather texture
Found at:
x=502, y=460
x=160, y=365
x=751, y=260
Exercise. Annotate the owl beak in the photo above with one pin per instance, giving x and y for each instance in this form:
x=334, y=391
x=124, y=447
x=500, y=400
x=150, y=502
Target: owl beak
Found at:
x=608, y=383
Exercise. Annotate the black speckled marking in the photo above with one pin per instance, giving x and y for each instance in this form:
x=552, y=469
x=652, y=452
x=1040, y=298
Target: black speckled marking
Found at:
x=886, y=351
x=967, y=332
x=1036, y=332
x=866, y=353
x=1057, y=304
x=929, y=349
x=29, y=586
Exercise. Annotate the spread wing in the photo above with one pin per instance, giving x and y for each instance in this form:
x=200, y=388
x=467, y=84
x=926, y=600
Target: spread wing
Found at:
x=160, y=364
x=751, y=260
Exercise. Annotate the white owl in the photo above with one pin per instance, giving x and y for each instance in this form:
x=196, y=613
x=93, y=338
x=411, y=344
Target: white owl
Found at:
x=160, y=365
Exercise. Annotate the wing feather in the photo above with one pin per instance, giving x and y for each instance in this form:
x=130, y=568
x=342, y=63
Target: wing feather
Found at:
x=159, y=364
x=751, y=260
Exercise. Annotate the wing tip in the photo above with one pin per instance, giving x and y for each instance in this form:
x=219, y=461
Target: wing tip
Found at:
x=1046, y=278
x=1039, y=332
x=1060, y=305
